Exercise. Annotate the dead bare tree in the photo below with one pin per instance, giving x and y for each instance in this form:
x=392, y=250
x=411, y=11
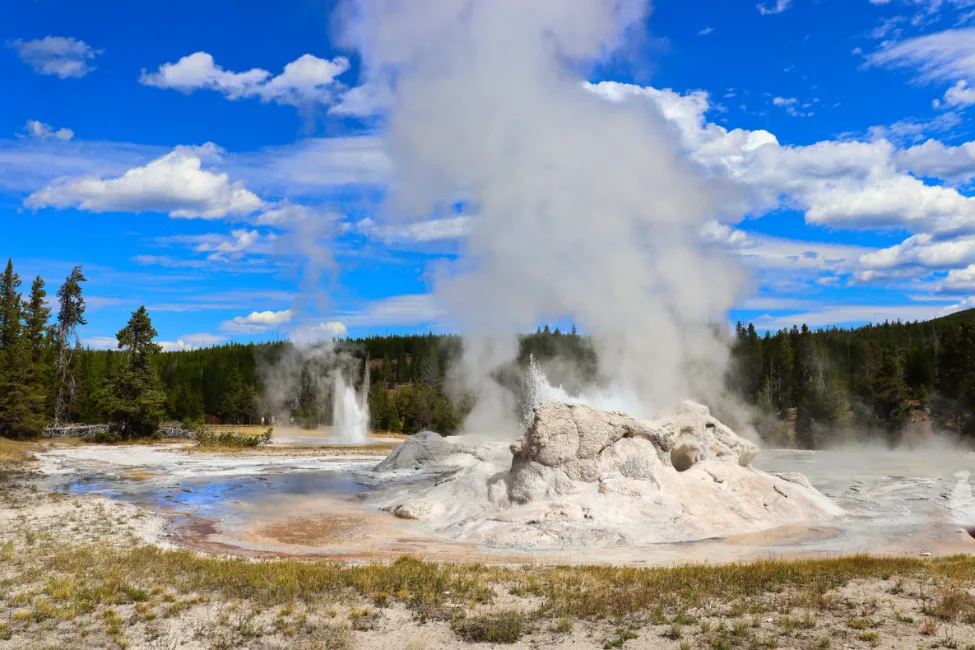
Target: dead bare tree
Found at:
x=70, y=316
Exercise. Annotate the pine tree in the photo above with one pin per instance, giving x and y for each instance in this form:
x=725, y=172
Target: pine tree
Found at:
x=35, y=371
x=70, y=316
x=402, y=369
x=781, y=372
x=89, y=406
x=237, y=403
x=382, y=409
x=386, y=375
x=890, y=394
x=137, y=400
x=14, y=409
x=956, y=372
x=308, y=409
x=186, y=404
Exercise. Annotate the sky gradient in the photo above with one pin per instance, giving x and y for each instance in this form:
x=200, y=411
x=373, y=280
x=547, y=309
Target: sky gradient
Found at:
x=224, y=163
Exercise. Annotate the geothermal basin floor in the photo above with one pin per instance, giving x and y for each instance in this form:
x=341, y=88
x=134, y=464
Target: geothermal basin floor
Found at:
x=306, y=505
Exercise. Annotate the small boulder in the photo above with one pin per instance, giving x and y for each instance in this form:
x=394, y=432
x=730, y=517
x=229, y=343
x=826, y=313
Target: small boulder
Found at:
x=413, y=510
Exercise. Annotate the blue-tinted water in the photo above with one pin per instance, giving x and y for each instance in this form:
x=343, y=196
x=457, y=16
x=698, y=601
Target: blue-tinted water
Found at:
x=217, y=496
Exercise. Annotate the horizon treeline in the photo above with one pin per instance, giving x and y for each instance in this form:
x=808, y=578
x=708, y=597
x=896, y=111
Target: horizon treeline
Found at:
x=809, y=389
x=407, y=393
x=47, y=377
x=815, y=389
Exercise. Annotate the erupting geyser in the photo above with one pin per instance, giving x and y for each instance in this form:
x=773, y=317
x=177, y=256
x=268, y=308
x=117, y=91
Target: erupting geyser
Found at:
x=540, y=390
x=351, y=411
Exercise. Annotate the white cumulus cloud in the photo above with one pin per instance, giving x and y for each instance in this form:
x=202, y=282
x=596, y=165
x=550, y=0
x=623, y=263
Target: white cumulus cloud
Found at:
x=766, y=252
x=100, y=342
x=960, y=95
x=192, y=342
x=304, y=80
x=257, y=322
x=934, y=159
x=923, y=250
x=224, y=247
x=56, y=55
x=839, y=184
x=967, y=303
x=42, y=131
x=176, y=184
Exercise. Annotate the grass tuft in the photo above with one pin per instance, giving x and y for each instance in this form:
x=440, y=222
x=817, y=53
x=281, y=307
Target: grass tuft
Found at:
x=623, y=634
x=952, y=602
x=502, y=626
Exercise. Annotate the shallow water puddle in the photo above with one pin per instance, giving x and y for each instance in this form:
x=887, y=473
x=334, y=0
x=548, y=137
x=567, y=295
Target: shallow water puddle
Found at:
x=216, y=497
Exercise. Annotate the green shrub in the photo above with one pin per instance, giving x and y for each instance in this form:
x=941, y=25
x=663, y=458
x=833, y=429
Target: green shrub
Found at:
x=205, y=437
x=110, y=436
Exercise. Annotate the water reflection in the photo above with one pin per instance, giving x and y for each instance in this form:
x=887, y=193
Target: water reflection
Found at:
x=217, y=496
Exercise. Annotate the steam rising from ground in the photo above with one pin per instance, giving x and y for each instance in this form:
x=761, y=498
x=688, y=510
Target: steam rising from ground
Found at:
x=316, y=381
x=585, y=209
x=540, y=390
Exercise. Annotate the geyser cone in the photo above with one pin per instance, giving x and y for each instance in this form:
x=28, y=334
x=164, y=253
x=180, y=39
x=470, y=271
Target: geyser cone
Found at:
x=582, y=477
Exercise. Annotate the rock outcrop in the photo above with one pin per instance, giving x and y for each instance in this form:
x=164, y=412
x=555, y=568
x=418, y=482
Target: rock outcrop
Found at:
x=570, y=445
x=582, y=476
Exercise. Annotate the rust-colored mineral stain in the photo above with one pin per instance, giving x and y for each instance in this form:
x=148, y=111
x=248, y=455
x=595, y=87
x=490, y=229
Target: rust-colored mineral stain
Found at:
x=311, y=531
x=788, y=534
x=137, y=474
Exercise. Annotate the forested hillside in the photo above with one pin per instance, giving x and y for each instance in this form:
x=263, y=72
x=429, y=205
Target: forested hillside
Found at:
x=810, y=389
x=834, y=385
x=407, y=374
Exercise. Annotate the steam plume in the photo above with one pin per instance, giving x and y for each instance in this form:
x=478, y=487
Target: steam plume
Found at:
x=585, y=209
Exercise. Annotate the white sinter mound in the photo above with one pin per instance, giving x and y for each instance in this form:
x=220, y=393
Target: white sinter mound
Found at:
x=582, y=476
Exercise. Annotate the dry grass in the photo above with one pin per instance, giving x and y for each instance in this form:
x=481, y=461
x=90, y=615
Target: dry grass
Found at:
x=376, y=449
x=206, y=438
x=578, y=592
x=252, y=429
x=15, y=451
x=952, y=603
x=717, y=606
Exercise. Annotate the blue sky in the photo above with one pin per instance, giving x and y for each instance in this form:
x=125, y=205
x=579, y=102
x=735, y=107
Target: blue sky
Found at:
x=223, y=163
